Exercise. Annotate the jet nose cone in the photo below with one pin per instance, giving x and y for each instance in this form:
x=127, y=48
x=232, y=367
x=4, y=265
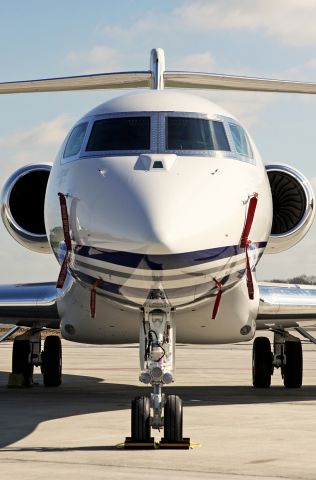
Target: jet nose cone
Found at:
x=157, y=211
x=133, y=215
x=162, y=238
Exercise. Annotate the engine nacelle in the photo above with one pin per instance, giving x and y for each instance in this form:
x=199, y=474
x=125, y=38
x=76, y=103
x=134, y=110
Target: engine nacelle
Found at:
x=293, y=207
x=22, y=206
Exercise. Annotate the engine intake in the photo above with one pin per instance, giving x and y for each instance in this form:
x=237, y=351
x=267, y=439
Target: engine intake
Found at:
x=293, y=207
x=22, y=206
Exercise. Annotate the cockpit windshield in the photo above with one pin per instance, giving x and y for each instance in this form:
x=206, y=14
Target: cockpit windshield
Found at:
x=181, y=133
x=187, y=133
x=126, y=133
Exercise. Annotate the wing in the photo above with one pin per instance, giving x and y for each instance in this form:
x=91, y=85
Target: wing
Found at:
x=286, y=305
x=143, y=79
x=234, y=82
x=81, y=82
x=31, y=305
x=156, y=77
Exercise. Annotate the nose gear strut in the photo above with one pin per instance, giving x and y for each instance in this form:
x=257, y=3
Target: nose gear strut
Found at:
x=157, y=355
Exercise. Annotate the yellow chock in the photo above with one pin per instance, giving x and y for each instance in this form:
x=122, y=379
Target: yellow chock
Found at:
x=17, y=380
x=183, y=444
x=134, y=444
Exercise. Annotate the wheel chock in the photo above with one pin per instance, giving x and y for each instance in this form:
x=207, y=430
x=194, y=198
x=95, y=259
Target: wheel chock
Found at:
x=131, y=443
x=183, y=444
x=17, y=380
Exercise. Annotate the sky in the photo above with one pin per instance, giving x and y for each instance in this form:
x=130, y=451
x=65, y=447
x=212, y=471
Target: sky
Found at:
x=264, y=38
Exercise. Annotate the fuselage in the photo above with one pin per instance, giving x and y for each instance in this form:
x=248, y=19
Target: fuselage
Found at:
x=160, y=214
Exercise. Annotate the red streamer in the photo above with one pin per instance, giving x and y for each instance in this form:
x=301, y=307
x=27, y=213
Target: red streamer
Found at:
x=93, y=296
x=217, y=299
x=65, y=221
x=249, y=219
x=249, y=274
x=245, y=242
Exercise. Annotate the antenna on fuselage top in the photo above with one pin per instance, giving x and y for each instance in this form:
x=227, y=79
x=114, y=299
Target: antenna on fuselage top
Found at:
x=157, y=68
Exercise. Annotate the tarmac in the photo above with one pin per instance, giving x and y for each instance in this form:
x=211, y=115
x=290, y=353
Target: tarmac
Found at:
x=72, y=432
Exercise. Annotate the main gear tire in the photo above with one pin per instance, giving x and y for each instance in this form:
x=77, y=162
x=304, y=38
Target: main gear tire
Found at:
x=292, y=371
x=21, y=360
x=52, y=361
x=262, y=366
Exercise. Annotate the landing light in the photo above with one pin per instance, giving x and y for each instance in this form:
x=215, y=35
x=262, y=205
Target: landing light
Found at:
x=245, y=330
x=145, y=377
x=167, y=378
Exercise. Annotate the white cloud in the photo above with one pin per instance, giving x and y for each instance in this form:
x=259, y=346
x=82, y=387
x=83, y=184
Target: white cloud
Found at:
x=146, y=24
x=99, y=58
x=203, y=62
x=292, y=21
x=246, y=106
x=38, y=144
x=49, y=133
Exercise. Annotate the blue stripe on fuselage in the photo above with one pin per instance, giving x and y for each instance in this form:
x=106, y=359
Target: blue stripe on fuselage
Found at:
x=161, y=262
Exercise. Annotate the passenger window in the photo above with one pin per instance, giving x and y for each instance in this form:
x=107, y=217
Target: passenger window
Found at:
x=240, y=140
x=75, y=140
x=126, y=133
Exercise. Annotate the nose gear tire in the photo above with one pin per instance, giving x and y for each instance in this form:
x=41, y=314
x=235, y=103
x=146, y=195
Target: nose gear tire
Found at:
x=140, y=419
x=173, y=419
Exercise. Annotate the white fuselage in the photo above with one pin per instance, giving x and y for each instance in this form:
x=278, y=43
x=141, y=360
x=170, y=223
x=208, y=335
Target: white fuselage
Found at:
x=158, y=222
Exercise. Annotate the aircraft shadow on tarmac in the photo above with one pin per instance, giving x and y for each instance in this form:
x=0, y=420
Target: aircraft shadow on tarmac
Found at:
x=23, y=409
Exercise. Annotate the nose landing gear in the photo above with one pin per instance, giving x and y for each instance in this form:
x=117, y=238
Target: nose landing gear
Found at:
x=157, y=354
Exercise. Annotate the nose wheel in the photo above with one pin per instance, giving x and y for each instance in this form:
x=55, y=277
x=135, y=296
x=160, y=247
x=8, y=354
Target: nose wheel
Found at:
x=157, y=353
x=140, y=419
x=172, y=422
x=173, y=419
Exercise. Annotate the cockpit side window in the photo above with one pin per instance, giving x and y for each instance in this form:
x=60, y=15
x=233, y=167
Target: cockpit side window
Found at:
x=188, y=133
x=75, y=140
x=221, y=141
x=240, y=140
x=123, y=133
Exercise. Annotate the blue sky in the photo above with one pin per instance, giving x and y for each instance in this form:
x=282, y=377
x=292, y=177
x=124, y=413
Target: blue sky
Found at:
x=260, y=38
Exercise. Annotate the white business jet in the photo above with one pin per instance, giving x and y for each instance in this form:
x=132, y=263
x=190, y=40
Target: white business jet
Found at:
x=158, y=209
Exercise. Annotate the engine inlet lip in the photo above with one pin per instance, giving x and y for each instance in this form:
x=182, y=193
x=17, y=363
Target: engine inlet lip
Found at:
x=297, y=176
x=6, y=213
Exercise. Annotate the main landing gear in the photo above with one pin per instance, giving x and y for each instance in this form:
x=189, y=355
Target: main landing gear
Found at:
x=157, y=354
x=27, y=354
x=287, y=355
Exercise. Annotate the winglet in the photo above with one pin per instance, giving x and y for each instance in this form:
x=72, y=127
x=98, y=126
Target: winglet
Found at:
x=157, y=68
